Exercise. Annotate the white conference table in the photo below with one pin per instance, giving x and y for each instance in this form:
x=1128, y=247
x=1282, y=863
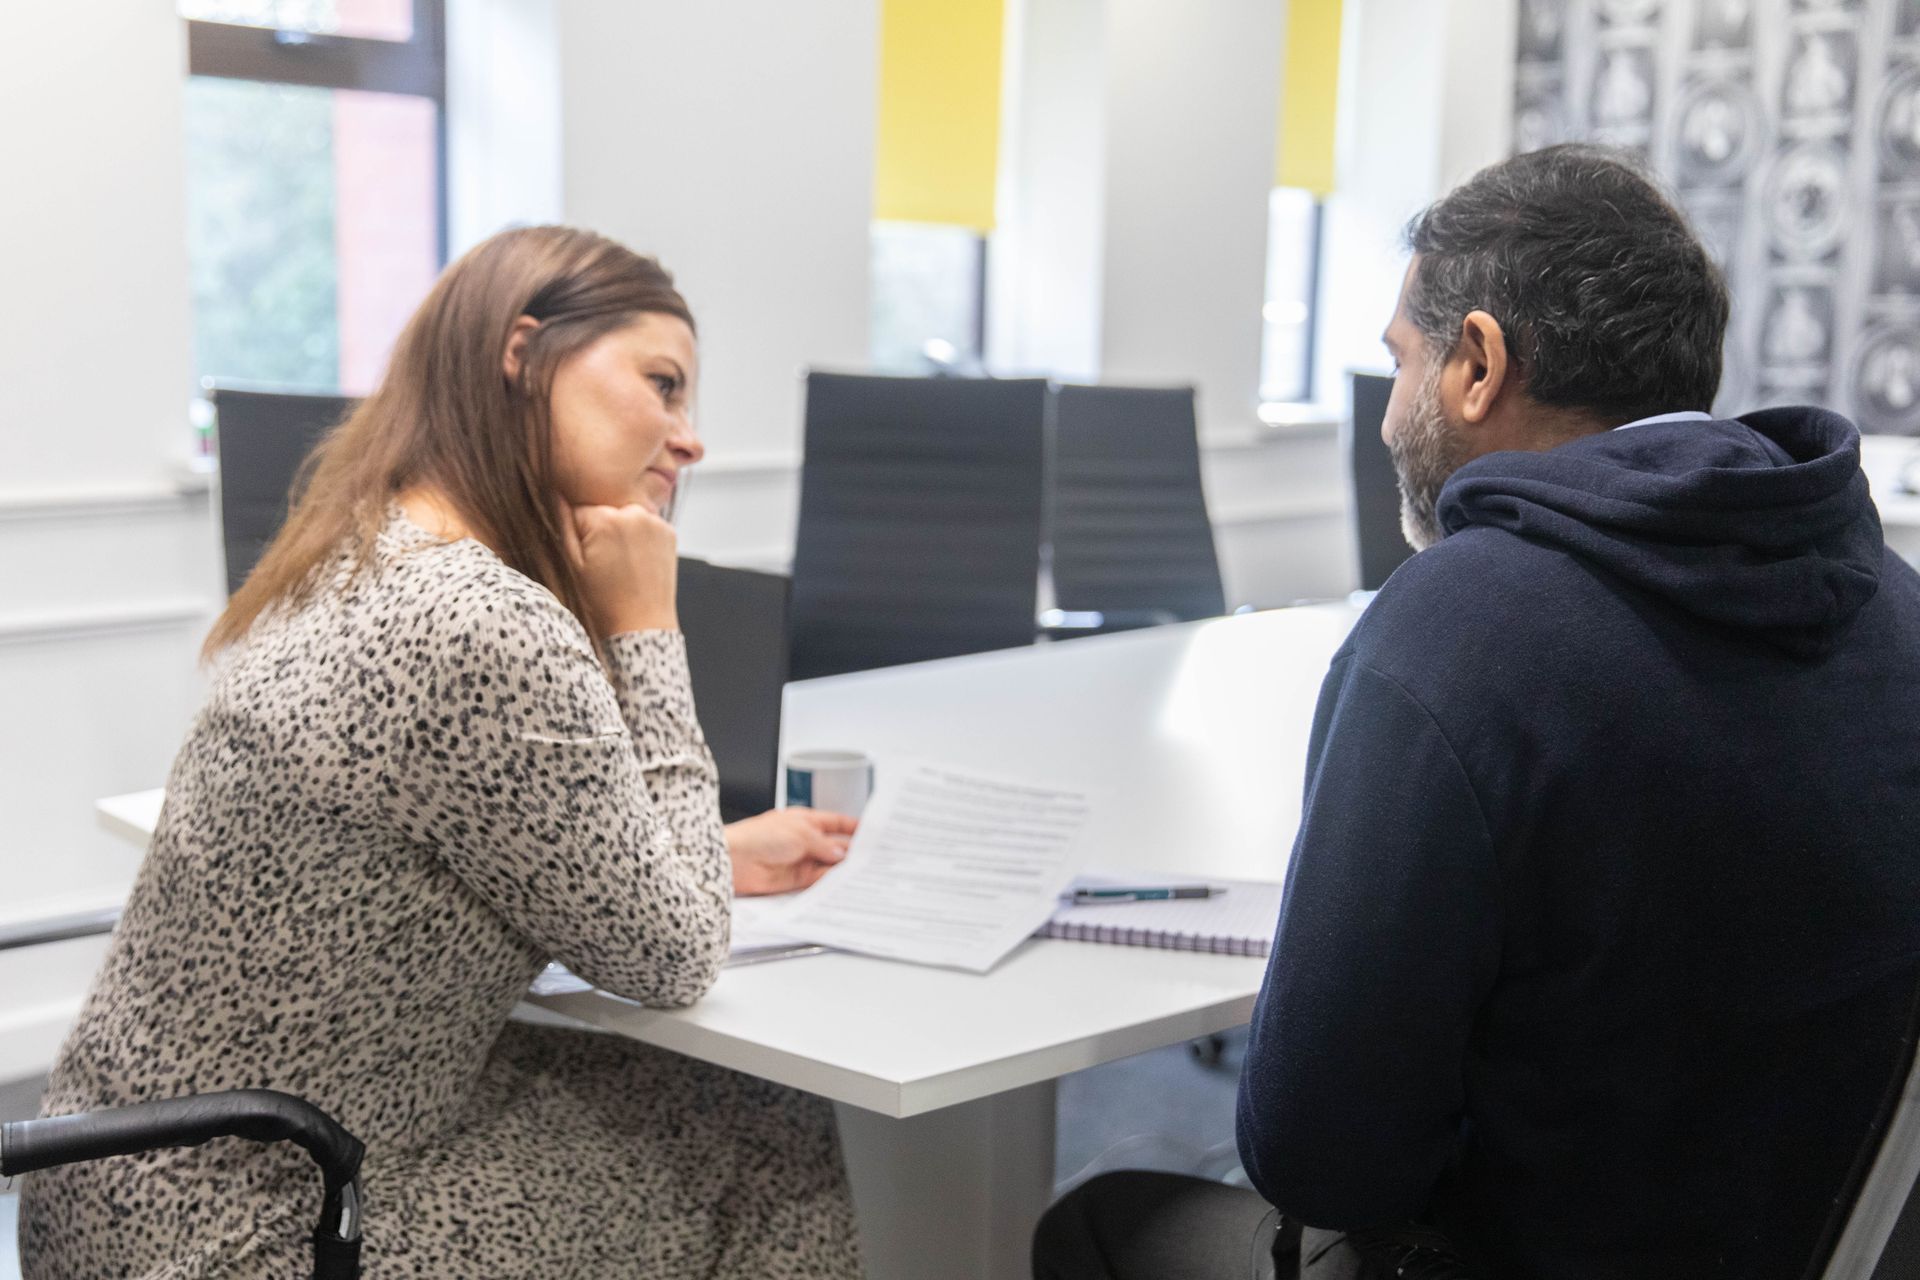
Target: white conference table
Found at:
x=1194, y=735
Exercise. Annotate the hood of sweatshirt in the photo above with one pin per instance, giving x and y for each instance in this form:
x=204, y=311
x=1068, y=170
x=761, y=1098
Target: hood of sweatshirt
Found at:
x=1762, y=524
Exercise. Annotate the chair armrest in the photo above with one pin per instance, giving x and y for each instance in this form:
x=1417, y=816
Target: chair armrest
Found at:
x=1064, y=624
x=261, y=1115
x=34, y=933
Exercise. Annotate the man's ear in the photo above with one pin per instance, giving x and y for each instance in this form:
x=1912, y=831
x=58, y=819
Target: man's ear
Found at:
x=517, y=337
x=1482, y=353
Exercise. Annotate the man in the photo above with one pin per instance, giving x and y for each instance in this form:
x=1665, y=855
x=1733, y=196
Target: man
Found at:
x=1602, y=931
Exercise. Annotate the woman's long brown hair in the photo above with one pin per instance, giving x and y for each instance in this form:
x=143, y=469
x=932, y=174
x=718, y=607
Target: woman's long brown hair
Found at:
x=447, y=416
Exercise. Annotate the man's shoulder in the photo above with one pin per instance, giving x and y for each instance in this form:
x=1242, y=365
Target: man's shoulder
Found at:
x=1479, y=593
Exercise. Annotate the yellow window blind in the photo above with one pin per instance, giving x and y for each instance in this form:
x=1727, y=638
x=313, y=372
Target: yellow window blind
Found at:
x=1309, y=89
x=938, y=145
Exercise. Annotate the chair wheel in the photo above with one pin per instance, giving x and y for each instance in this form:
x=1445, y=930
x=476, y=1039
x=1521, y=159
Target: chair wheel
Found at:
x=1208, y=1051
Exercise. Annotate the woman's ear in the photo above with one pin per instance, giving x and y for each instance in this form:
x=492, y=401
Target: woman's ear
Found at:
x=516, y=346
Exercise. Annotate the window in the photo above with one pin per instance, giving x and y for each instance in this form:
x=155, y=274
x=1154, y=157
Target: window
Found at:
x=1293, y=258
x=316, y=205
x=370, y=19
x=929, y=298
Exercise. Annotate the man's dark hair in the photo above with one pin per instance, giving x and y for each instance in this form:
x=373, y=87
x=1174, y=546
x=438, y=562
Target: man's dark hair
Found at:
x=1608, y=300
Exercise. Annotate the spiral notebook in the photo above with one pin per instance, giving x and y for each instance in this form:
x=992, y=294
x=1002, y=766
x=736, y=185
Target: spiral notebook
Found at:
x=1239, y=922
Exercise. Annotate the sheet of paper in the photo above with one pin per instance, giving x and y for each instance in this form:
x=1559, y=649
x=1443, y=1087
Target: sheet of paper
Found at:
x=758, y=934
x=949, y=868
x=759, y=926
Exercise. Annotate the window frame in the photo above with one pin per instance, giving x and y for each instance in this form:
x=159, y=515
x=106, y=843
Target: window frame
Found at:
x=1316, y=248
x=416, y=67
x=978, y=282
x=983, y=245
x=1316, y=261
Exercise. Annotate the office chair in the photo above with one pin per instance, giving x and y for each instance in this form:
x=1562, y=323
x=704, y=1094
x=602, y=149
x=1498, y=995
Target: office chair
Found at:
x=735, y=623
x=920, y=520
x=1376, y=487
x=263, y=437
x=1130, y=535
x=1879, y=1238
x=261, y=1115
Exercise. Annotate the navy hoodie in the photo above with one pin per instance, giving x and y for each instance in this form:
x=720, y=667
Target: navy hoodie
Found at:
x=1602, y=929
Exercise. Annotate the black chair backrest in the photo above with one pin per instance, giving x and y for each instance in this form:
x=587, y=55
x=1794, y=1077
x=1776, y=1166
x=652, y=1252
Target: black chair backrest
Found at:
x=1376, y=491
x=735, y=622
x=1129, y=517
x=920, y=519
x=1876, y=1233
x=1900, y=1259
x=263, y=437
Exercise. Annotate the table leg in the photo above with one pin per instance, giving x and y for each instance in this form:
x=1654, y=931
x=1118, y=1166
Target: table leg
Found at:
x=953, y=1194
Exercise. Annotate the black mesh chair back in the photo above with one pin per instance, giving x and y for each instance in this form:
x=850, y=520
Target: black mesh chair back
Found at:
x=1130, y=533
x=735, y=622
x=920, y=520
x=1376, y=491
x=263, y=437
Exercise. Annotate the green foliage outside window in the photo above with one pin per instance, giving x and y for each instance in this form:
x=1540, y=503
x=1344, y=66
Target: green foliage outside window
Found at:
x=261, y=223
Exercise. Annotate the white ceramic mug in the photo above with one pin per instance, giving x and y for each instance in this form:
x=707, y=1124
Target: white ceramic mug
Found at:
x=836, y=781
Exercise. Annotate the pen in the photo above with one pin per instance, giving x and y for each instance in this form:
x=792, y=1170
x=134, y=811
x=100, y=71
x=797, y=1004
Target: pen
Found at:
x=1160, y=893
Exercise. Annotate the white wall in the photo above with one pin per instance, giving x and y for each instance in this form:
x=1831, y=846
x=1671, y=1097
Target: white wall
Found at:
x=1191, y=94
x=1414, y=125
x=1132, y=248
x=1137, y=153
x=1477, y=86
x=1389, y=168
x=1049, y=253
x=503, y=118
x=735, y=141
x=93, y=230
x=107, y=569
x=1190, y=111
x=1135, y=235
x=1132, y=243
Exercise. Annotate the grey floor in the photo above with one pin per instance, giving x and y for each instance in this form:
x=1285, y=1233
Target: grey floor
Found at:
x=1161, y=1110
x=1189, y=1102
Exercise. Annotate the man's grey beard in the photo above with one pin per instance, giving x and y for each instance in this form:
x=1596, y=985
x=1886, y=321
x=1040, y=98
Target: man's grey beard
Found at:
x=1425, y=452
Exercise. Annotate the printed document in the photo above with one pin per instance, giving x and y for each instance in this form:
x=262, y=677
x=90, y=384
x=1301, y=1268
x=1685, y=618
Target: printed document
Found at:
x=948, y=868
x=757, y=936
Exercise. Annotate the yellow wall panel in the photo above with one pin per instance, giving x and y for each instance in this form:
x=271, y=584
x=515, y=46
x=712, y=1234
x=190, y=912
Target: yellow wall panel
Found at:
x=1309, y=90
x=938, y=149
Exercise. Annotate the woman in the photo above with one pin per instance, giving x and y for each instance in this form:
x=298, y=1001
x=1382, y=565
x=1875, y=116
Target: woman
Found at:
x=450, y=737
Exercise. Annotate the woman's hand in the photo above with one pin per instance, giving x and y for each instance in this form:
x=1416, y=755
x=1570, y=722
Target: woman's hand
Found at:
x=786, y=849
x=628, y=562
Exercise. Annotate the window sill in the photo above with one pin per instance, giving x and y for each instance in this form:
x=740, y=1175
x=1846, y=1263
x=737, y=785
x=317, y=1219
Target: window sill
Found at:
x=1276, y=424
x=1299, y=417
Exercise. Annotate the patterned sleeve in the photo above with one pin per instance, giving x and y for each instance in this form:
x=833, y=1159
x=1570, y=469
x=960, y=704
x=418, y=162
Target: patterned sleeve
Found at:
x=584, y=811
x=655, y=694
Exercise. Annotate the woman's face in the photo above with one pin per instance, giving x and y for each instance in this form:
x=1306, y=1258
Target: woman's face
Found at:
x=623, y=416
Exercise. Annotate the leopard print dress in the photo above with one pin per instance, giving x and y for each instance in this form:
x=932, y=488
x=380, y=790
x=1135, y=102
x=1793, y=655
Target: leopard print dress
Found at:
x=399, y=801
